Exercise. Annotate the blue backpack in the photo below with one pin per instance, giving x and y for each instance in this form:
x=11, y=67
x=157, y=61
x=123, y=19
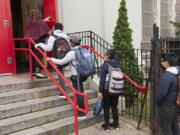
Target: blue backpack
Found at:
x=85, y=62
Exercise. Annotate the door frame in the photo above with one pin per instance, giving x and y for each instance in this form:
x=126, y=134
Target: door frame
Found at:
x=10, y=35
x=10, y=29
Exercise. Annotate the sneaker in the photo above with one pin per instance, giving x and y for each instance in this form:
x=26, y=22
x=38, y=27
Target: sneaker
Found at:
x=106, y=128
x=61, y=96
x=82, y=117
x=40, y=76
x=116, y=127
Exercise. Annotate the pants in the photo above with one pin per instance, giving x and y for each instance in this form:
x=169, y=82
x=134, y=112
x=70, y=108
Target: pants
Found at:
x=110, y=102
x=61, y=82
x=168, y=120
x=36, y=66
x=79, y=87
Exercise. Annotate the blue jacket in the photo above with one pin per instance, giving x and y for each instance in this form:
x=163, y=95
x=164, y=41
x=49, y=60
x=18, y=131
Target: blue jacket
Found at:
x=104, y=72
x=168, y=88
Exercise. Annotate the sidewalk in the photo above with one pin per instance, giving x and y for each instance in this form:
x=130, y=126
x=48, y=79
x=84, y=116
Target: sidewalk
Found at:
x=126, y=128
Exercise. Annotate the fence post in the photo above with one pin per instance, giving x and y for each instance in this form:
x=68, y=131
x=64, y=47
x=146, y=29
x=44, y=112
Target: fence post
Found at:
x=94, y=47
x=155, y=63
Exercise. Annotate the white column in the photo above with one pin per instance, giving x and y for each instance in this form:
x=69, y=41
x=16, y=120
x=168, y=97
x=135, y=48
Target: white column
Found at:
x=172, y=16
x=157, y=12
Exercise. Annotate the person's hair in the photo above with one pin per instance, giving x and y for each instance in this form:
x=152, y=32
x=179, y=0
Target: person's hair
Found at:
x=58, y=26
x=171, y=58
x=34, y=12
x=111, y=53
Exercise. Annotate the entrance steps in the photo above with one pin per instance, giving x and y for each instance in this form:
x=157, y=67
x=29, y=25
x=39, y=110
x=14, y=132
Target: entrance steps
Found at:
x=34, y=108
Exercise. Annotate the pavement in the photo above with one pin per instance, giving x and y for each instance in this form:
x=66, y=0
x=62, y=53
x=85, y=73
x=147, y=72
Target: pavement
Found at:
x=126, y=128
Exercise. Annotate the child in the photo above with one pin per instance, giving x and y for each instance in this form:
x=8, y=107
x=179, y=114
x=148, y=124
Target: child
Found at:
x=166, y=96
x=52, y=45
x=75, y=41
x=109, y=100
x=37, y=29
x=56, y=32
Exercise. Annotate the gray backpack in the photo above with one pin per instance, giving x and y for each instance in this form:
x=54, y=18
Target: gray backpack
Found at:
x=114, y=80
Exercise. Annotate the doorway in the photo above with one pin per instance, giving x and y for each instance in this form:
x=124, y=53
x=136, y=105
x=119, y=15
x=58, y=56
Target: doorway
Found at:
x=19, y=11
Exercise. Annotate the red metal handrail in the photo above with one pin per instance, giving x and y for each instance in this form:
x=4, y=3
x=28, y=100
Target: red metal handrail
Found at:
x=73, y=103
x=141, y=88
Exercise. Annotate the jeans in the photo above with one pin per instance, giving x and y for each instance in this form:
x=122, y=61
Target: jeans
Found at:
x=80, y=99
x=168, y=120
x=110, y=102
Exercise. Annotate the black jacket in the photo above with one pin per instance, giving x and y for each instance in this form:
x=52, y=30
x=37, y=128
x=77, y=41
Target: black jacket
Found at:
x=168, y=88
x=104, y=72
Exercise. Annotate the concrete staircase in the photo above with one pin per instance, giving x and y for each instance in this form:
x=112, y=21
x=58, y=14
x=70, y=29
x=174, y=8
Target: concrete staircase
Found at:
x=33, y=108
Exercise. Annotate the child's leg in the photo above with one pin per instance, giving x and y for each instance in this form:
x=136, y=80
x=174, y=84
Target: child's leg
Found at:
x=114, y=104
x=106, y=109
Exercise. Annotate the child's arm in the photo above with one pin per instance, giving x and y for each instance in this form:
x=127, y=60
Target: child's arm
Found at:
x=49, y=46
x=164, y=86
x=103, y=74
x=68, y=58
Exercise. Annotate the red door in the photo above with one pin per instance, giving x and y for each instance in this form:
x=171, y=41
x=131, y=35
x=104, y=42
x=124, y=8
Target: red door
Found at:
x=6, y=52
x=50, y=9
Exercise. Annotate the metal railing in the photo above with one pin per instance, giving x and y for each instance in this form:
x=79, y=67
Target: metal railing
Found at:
x=96, y=42
x=138, y=71
x=72, y=102
x=98, y=46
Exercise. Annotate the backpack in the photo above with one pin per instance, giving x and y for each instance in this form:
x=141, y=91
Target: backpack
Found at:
x=60, y=48
x=84, y=62
x=115, y=80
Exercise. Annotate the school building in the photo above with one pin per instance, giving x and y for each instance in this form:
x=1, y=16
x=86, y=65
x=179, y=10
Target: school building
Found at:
x=100, y=16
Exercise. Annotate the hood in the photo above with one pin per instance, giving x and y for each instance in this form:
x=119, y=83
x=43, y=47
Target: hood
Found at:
x=61, y=34
x=113, y=63
x=174, y=70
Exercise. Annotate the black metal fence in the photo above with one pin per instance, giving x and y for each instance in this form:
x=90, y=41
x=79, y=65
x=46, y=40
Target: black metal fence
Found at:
x=136, y=67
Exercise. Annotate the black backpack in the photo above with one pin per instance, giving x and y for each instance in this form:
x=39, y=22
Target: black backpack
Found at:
x=60, y=48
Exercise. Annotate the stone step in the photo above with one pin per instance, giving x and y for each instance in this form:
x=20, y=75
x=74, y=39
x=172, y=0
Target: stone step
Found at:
x=60, y=127
x=22, y=81
x=37, y=118
x=32, y=105
x=25, y=85
x=26, y=94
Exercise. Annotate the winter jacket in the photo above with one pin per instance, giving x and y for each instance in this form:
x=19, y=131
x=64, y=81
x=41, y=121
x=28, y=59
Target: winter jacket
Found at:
x=168, y=87
x=104, y=72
